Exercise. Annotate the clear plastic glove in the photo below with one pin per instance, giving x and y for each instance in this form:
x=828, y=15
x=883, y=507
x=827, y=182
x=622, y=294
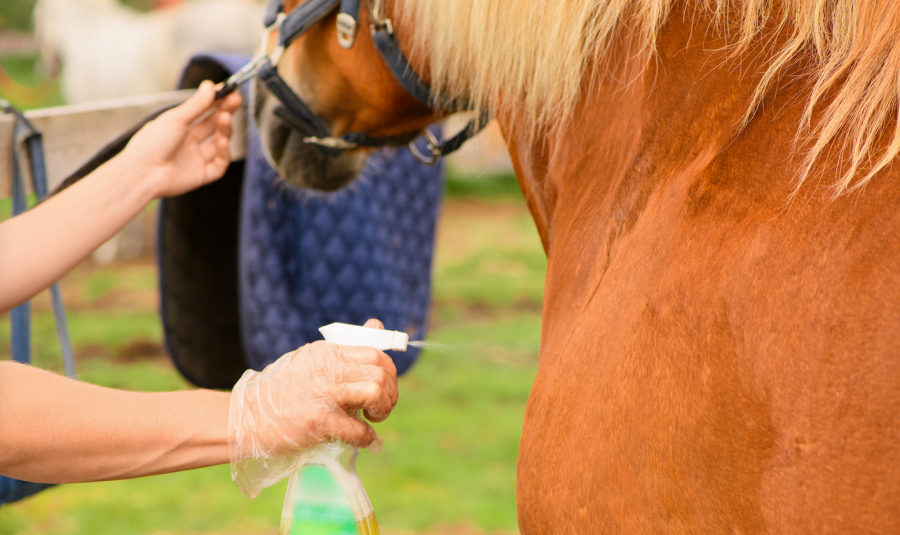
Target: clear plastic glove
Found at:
x=279, y=417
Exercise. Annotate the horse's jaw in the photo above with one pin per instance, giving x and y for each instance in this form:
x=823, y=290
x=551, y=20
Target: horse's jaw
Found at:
x=298, y=163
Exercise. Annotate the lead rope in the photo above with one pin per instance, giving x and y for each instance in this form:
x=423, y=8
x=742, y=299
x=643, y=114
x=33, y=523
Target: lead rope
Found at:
x=25, y=134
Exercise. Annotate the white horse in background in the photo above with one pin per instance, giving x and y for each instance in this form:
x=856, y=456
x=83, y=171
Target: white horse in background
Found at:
x=107, y=50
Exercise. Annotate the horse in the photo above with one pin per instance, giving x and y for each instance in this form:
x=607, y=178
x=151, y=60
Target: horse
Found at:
x=713, y=184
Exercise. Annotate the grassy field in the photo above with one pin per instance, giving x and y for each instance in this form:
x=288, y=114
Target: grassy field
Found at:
x=449, y=460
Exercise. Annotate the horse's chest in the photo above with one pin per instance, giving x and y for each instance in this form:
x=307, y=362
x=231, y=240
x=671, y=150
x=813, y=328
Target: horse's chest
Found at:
x=639, y=386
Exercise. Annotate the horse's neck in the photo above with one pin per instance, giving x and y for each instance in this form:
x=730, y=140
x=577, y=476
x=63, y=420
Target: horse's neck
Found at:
x=637, y=125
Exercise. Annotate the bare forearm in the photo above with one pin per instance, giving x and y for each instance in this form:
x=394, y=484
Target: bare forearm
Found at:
x=183, y=149
x=56, y=430
x=41, y=245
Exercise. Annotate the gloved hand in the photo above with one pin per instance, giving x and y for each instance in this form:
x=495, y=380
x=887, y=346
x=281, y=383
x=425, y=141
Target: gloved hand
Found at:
x=306, y=398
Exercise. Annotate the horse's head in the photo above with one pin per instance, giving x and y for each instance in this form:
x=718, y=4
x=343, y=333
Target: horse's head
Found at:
x=348, y=89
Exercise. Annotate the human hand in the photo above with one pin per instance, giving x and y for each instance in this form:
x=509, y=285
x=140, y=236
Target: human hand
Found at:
x=306, y=398
x=187, y=146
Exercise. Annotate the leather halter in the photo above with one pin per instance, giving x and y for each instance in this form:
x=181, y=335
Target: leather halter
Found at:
x=299, y=116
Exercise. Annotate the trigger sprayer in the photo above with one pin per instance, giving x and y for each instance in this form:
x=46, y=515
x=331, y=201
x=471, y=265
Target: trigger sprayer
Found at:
x=354, y=335
x=323, y=497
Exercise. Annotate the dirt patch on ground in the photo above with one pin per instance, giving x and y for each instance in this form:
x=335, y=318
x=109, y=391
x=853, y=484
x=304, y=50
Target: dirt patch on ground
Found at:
x=133, y=351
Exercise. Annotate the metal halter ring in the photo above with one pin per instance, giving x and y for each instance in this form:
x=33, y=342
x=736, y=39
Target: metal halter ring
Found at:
x=433, y=147
x=378, y=20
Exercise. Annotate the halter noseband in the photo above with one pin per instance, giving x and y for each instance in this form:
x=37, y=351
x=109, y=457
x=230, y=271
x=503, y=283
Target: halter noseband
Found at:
x=299, y=116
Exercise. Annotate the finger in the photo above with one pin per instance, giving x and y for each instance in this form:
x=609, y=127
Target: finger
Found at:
x=366, y=396
x=205, y=128
x=217, y=125
x=223, y=147
x=385, y=399
x=366, y=364
x=384, y=374
x=356, y=355
x=374, y=324
x=232, y=102
x=219, y=162
x=224, y=119
x=214, y=171
x=199, y=103
x=223, y=127
x=366, y=355
x=384, y=377
x=352, y=431
x=208, y=152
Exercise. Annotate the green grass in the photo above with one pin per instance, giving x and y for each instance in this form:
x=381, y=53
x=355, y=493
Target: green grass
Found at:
x=6, y=206
x=450, y=447
x=93, y=331
x=464, y=186
x=506, y=277
x=5, y=209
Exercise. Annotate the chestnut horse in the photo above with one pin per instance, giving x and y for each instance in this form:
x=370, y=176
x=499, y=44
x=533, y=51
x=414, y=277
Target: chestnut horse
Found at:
x=712, y=184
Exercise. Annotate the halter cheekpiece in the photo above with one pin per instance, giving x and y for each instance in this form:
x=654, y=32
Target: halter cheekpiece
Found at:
x=299, y=116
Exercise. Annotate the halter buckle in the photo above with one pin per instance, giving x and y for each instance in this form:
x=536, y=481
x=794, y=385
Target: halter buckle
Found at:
x=433, y=147
x=379, y=21
x=346, y=30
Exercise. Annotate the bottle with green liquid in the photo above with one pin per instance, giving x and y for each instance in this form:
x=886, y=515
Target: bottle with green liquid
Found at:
x=324, y=498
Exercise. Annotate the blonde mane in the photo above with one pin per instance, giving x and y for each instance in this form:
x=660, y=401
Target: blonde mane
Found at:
x=536, y=54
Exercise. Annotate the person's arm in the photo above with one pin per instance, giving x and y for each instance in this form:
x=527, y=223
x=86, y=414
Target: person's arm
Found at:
x=58, y=430
x=179, y=151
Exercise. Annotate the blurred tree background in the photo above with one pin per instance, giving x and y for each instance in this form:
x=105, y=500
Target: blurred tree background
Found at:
x=16, y=14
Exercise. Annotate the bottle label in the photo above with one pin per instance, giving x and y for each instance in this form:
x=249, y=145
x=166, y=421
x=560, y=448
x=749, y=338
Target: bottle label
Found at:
x=320, y=505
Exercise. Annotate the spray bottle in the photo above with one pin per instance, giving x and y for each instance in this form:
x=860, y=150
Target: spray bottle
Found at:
x=323, y=497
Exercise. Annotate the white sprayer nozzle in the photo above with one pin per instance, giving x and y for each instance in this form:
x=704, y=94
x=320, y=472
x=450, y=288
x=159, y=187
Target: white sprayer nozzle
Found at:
x=354, y=335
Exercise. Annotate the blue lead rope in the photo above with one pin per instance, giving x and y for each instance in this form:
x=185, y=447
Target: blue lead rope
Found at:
x=27, y=136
